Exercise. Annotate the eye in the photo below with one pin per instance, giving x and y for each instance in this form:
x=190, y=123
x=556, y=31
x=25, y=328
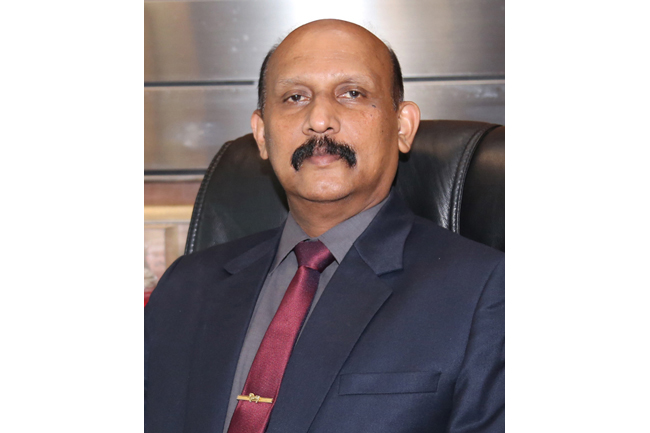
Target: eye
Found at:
x=351, y=95
x=295, y=98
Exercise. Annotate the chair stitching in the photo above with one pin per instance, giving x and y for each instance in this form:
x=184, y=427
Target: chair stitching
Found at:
x=461, y=173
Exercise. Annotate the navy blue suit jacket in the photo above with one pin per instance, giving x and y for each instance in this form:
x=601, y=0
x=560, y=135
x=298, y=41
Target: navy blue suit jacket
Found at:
x=407, y=337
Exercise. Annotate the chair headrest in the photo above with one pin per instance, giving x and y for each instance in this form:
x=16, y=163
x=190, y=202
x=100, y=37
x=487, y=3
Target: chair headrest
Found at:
x=454, y=176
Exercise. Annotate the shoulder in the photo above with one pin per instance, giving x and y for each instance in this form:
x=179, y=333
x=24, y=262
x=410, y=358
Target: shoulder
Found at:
x=220, y=255
x=189, y=275
x=431, y=247
x=427, y=235
x=399, y=239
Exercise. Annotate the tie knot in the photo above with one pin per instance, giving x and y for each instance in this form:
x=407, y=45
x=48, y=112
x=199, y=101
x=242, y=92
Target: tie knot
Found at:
x=313, y=255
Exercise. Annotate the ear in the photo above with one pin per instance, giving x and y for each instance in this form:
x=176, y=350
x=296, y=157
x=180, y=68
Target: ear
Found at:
x=409, y=120
x=257, y=124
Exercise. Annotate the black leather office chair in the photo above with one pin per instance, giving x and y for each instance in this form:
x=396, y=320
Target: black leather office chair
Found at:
x=454, y=176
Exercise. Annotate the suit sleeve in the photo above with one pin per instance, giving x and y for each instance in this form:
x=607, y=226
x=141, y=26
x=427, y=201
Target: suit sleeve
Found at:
x=149, y=311
x=479, y=395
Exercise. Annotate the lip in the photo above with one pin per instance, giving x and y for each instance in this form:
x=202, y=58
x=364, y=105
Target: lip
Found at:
x=322, y=160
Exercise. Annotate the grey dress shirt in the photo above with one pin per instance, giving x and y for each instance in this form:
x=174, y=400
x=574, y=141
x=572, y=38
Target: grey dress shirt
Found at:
x=338, y=240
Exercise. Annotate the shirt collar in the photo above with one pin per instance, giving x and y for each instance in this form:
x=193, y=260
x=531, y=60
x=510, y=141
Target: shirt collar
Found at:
x=338, y=239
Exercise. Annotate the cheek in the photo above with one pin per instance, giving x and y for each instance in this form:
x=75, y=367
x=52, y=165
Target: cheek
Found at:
x=372, y=132
x=281, y=140
x=365, y=128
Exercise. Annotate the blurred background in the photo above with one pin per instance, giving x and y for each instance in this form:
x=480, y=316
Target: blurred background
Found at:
x=202, y=60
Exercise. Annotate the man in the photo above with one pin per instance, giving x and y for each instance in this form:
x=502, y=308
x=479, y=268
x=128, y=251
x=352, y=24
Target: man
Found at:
x=355, y=315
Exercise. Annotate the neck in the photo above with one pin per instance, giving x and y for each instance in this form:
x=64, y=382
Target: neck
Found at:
x=315, y=218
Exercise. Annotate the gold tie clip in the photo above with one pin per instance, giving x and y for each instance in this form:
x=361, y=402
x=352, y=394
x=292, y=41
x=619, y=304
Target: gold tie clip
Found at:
x=254, y=398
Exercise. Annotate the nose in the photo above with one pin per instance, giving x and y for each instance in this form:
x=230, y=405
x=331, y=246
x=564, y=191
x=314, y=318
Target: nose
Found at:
x=322, y=117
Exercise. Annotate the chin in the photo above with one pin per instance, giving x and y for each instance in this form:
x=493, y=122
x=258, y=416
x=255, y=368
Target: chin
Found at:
x=325, y=193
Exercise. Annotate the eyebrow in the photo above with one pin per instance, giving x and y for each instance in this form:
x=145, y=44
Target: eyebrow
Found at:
x=346, y=79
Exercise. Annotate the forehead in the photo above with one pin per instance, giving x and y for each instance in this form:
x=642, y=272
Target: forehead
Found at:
x=330, y=53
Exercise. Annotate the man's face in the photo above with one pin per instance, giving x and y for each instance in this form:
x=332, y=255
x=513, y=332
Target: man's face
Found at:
x=331, y=82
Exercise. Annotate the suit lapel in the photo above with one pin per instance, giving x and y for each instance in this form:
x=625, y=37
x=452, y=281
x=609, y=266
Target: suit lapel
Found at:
x=227, y=310
x=352, y=298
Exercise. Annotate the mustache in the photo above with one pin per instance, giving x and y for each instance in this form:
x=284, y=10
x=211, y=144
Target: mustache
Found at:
x=323, y=145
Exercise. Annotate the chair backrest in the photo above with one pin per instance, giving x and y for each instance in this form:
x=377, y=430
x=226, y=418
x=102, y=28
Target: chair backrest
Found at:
x=454, y=176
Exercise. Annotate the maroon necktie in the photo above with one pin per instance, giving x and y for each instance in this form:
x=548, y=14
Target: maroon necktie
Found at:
x=264, y=378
